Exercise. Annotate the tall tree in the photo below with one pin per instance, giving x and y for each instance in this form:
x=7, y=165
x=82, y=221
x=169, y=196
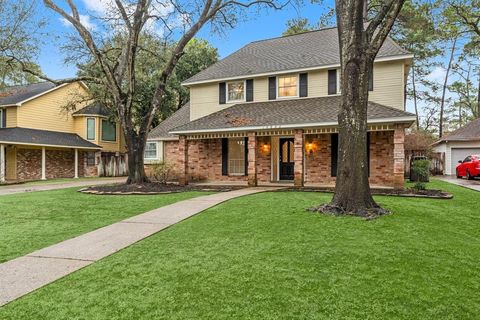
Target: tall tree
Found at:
x=359, y=45
x=119, y=77
x=17, y=39
x=298, y=25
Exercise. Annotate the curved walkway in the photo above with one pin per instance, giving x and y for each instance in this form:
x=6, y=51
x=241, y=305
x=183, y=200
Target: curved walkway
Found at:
x=37, y=269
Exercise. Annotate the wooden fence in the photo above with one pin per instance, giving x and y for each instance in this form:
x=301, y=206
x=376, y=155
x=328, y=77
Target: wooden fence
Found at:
x=437, y=161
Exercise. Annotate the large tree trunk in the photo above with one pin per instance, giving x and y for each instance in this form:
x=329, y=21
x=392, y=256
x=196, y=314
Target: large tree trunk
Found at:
x=136, y=148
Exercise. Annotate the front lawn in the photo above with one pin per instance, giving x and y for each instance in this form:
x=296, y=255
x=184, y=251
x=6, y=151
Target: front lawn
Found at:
x=265, y=257
x=31, y=221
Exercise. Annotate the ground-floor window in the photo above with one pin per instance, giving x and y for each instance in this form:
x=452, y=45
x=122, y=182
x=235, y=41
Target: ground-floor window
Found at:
x=236, y=156
x=90, y=158
x=151, y=150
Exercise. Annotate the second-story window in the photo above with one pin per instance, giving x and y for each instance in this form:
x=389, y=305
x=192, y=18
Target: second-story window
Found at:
x=2, y=118
x=287, y=86
x=236, y=91
x=109, y=131
x=90, y=128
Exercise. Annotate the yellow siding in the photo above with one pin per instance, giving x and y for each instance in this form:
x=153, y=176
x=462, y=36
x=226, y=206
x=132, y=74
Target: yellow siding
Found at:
x=80, y=126
x=388, y=89
x=46, y=112
x=11, y=168
x=11, y=117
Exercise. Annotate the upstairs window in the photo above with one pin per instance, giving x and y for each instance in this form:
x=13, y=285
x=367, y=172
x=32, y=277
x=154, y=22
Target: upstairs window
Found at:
x=151, y=150
x=287, y=86
x=236, y=91
x=109, y=131
x=3, y=120
x=90, y=128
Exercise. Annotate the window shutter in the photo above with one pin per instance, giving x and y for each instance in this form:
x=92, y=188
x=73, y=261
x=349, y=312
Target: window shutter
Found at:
x=4, y=118
x=249, y=90
x=368, y=153
x=224, y=156
x=303, y=85
x=222, y=94
x=272, y=88
x=334, y=154
x=332, y=81
x=370, y=80
x=246, y=156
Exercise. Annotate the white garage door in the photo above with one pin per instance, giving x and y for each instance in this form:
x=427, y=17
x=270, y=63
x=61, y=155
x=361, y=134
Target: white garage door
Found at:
x=460, y=154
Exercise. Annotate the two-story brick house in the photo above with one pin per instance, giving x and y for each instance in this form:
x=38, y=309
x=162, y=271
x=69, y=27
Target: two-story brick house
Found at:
x=39, y=139
x=268, y=112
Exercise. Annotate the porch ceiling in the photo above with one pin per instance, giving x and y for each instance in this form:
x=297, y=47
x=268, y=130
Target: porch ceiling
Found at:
x=35, y=137
x=286, y=114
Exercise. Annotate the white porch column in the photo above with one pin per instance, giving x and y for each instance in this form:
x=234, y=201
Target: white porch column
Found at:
x=44, y=164
x=2, y=163
x=76, y=163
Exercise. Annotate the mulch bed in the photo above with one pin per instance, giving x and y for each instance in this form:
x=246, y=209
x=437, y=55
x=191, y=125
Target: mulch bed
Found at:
x=430, y=193
x=151, y=188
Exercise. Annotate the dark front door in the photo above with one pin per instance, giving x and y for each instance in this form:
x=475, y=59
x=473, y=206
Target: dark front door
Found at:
x=286, y=159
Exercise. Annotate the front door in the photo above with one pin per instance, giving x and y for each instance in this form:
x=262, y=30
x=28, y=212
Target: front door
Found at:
x=286, y=159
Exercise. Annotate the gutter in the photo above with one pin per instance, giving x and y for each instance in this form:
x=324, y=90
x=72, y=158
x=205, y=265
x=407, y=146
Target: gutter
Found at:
x=49, y=145
x=405, y=119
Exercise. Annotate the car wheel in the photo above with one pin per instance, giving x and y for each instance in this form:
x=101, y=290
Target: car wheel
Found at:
x=469, y=177
x=458, y=175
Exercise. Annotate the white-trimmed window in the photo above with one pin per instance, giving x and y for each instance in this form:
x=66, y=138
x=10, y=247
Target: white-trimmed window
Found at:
x=236, y=156
x=287, y=86
x=109, y=131
x=236, y=91
x=151, y=150
x=339, y=81
x=2, y=115
x=90, y=128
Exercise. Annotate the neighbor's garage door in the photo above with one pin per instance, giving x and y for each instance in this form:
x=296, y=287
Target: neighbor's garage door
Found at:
x=460, y=154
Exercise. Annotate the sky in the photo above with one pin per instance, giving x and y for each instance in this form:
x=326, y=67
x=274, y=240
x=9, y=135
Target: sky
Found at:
x=266, y=24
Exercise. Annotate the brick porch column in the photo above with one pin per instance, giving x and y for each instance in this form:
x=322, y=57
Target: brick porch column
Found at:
x=252, y=159
x=298, y=156
x=398, y=156
x=183, y=160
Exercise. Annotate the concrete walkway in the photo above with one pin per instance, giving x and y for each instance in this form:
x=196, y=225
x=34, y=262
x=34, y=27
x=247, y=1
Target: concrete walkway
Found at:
x=470, y=184
x=22, y=188
x=37, y=269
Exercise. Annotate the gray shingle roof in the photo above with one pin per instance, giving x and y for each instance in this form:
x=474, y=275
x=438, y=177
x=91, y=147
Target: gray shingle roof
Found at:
x=305, y=50
x=16, y=94
x=44, y=137
x=280, y=113
x=93, y=109
x=179, y=118
x=469, y=132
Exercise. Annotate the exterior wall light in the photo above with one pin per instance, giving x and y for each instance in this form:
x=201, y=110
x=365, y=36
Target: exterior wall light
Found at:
x=265, y=147
x=310, y=147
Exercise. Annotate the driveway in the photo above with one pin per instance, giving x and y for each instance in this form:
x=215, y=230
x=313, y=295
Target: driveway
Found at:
x=470, y=184
x=51, y=185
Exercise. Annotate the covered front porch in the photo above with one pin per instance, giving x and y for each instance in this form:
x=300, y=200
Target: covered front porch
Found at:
x=29, y=154
x=299, y=157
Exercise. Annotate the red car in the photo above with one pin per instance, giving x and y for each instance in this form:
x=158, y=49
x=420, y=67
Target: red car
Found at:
x=469, y=167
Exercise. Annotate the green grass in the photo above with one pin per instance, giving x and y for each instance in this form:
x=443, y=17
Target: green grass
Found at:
x=31, y=221
x=265, y=257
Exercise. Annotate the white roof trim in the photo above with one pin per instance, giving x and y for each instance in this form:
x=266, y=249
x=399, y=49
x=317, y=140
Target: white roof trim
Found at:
x=328, y=66
x=48, y=145
x=294, y=126
x=163, y=139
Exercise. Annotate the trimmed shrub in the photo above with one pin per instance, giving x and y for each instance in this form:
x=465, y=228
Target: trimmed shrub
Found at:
x=161, y=171
x=420, y=170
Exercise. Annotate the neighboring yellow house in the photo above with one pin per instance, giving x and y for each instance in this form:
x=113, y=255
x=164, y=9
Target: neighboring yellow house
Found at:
x=39, y=139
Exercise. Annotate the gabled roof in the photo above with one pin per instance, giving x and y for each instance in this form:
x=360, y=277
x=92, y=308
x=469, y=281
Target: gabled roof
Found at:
x=282, y=114
x=17, y=94
x=313, y=49
x=94, y=109
x=469, y=132
x=179, y=118
x=26, y=136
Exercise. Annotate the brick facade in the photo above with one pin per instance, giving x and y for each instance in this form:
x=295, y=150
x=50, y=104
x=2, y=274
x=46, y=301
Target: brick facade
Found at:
x=205, y=159
x=59, y=164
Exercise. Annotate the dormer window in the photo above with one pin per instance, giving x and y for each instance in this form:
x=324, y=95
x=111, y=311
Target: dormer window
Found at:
x=287, y=86
x=236, y=91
